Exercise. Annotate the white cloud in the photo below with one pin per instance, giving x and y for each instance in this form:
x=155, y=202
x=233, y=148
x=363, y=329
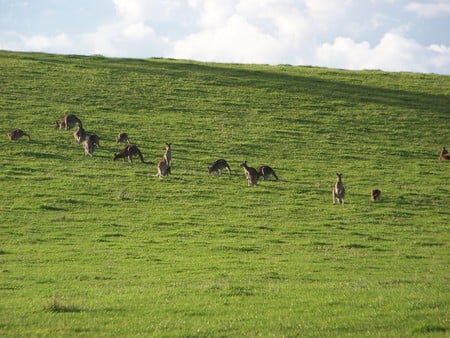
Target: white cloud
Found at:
x=129, y=40
x=429, y=9
x=393, y=53
x=138, y=31
x=382, y=34
x=441, y=58
x=213, y=14
x=60, y=43
x=235, y=41
x=143, y=10
x=248, y=31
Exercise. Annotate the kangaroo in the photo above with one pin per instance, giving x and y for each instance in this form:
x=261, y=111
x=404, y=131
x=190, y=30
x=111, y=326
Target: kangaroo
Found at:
x=444, y=154
x=265, y=171
x=168, y=153
x=95, y=140
x=163, y=168
x=250, y=174
x=79, y=134
x=68, y=121
x=218, y=166
x=338, y=190
x=88, y=146
x=375, y=195
x=128, y=152
x=16, y=134
x=122, y=138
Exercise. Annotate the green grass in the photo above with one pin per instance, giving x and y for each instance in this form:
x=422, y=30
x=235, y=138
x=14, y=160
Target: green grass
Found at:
x=93, y=247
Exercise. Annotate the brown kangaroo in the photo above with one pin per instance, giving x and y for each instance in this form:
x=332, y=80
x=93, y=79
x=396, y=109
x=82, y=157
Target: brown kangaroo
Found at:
x=218, y=166
x=16, y=134
x=128, y=152
x=68, y=121
x=79, y=134
x=88, y=145
x=122, y=138
x=338, y=190
x=265, y=171
x=375, y=195
x=444, y=155
x=95, y=140
x=250, y=174
x=168, y=153
x=163, y=168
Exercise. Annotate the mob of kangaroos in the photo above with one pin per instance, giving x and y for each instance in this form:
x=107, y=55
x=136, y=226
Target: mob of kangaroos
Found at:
x=252, y=175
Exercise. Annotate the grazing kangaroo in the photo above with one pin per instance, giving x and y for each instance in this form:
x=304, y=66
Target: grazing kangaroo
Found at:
x=338, y=190
x=128, y=152
x=250, y=174
x=218, y=166
x=88, y=146
x=122, y=138
x=68, y=121
x=163, y=168
x=265, y=171
x=168, y=153
x=375, y=195
x=79, y=134
x=16, y=134
x=444, y=154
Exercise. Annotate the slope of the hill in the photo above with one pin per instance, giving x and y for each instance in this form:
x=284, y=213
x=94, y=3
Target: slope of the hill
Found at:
x=95, y=247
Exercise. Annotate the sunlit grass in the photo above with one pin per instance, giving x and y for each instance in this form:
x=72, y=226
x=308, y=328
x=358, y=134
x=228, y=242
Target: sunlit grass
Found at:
x=93, y=247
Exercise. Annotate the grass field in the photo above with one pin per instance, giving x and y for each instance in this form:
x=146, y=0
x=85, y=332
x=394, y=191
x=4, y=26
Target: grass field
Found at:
x=96, y=247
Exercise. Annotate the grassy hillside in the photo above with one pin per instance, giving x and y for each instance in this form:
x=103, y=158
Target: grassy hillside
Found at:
x=96, y=247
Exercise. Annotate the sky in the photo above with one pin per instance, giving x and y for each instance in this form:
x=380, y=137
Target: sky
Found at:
x=390, y=35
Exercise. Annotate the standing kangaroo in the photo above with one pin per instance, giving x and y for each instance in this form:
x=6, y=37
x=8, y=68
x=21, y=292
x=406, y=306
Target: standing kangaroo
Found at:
x=338, y=190
x=375, y=195
x=265, y=171
x=122, y=138
x=250, y=174
x=163, y=168
x=444, y=155
x=68, y=121
x=218, y=166
x=128, y=152
x=168, y=153
x=16, y=134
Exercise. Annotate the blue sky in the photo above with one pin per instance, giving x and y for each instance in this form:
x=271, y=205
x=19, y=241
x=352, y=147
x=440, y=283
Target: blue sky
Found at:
x=392, y=35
